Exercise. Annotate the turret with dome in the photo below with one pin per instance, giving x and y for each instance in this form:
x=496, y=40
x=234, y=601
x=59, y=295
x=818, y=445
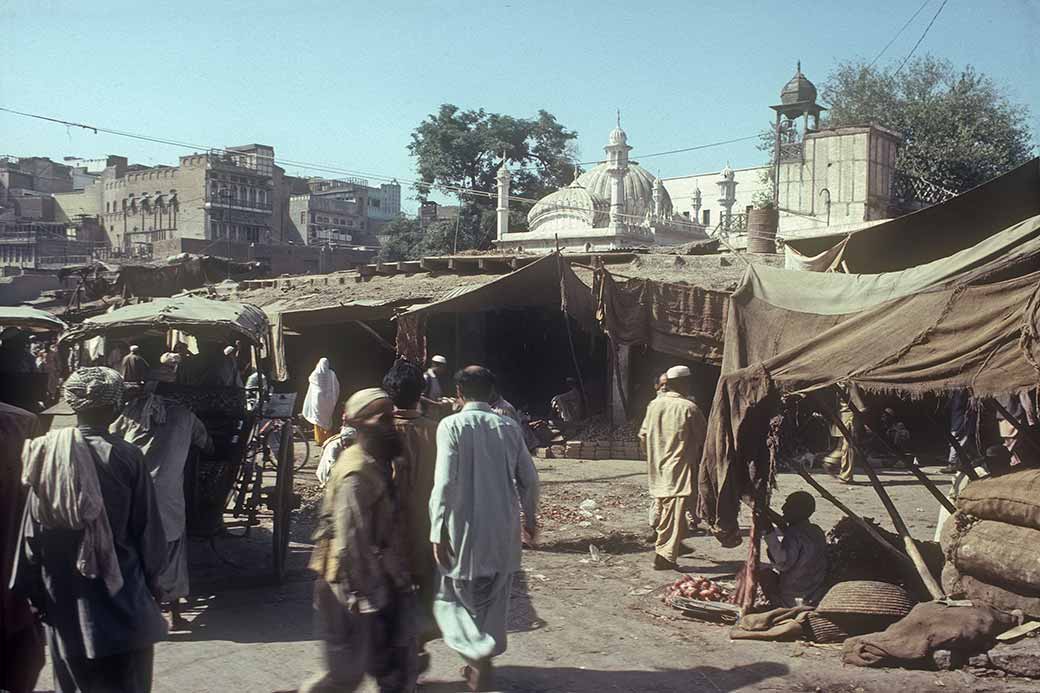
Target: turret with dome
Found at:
x=615, y=204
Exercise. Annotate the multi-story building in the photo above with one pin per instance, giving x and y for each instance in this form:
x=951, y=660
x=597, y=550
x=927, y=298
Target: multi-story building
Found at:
x=346, y=212
x=217, y=195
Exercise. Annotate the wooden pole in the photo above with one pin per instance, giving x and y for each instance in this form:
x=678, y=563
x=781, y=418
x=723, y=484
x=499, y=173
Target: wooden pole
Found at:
x=910, y=463
x=864, y=525
x=897, y=520
x=967, y=465
x=1020, y=426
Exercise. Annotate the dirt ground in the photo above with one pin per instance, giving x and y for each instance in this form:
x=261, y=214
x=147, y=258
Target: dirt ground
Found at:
x=577, y=624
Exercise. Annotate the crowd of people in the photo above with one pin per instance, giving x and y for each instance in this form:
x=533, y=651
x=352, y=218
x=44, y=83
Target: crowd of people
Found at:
x=430, y=493
x=418, y=537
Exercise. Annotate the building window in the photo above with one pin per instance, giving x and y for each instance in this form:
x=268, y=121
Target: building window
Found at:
x=706, y=217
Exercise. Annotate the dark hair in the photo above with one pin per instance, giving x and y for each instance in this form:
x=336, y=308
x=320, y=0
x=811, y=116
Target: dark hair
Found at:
x=476, y=383
x=801, y=504
x=404, y=383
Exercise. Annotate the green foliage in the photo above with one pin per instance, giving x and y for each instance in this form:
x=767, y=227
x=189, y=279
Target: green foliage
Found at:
x=400, y=236
x=959, y=126
x=464, y=149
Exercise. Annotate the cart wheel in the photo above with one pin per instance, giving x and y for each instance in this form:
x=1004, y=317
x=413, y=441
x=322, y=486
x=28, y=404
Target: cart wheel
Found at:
x=282, y=503
x=299, y=439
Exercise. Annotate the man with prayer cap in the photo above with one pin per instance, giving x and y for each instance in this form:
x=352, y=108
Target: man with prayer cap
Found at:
x=134, y=366
x=672, y=435
x=484, y=477
x=92, y=545
x=363, y=595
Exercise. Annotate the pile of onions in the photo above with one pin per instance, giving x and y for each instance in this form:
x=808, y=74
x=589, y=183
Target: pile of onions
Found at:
x=696, y=587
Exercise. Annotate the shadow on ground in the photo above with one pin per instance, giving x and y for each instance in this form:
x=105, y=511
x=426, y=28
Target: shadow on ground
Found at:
x=572, y=680
x=614, y=544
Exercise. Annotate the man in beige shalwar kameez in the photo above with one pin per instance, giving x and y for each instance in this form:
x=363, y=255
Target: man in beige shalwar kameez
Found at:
x=673, y=435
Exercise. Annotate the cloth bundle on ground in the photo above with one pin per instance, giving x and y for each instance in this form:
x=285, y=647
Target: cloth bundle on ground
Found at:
x=1012, y=498
x=776, y=624
x=929, y=627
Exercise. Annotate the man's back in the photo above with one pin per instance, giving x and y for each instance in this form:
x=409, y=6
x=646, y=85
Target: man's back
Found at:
x=91, y=622
x=673, y=430
x=482, y=463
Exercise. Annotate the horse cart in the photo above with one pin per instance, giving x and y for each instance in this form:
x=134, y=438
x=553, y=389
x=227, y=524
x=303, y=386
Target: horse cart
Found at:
x=249, y=475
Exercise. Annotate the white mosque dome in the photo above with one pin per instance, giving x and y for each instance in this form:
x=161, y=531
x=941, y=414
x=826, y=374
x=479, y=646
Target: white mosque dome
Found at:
x=573, y=201
x=639, y=189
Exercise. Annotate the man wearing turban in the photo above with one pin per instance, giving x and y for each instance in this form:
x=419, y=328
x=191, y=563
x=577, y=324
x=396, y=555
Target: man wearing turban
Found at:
x=91, y=546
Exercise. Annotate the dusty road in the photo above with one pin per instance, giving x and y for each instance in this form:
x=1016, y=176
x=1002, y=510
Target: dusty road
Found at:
x=577, y=625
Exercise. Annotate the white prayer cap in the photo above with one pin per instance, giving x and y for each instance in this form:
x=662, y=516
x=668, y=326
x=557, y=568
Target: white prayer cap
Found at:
x=439, y=359
x=361, y=400
x=676, y=372
x=229, y=350
x=134, y=349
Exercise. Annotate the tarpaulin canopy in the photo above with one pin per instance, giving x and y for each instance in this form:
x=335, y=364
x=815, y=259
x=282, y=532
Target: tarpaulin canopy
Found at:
x=937, y=231
x=29, y=319
x=678, y=319
x=200, y=317
x=974, y=330
x=547, y=281
x=774, y=309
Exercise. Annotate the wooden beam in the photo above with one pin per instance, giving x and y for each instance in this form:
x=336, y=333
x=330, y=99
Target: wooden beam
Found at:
x=409, y=266
x=910, y=463
x=386, y=268
x=927, y=579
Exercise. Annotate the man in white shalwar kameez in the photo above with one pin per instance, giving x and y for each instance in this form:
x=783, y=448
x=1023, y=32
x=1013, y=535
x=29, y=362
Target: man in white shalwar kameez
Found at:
x=482, y=468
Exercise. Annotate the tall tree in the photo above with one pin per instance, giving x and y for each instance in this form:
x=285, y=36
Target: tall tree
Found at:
x=464, y=149
x=960, y=128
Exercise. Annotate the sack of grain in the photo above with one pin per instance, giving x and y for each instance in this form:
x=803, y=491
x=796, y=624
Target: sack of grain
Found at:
x=999, y=554
x=961, y=586
x=1012, y=498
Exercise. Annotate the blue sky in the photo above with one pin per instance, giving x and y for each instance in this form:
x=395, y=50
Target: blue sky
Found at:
x=345, y=83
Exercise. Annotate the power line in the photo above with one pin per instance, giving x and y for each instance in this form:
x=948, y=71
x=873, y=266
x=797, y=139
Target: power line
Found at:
x=925, y=33
x=901, y=30
x=329, y=168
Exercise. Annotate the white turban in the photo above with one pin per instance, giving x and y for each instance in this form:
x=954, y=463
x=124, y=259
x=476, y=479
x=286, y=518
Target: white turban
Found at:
x=676, y=372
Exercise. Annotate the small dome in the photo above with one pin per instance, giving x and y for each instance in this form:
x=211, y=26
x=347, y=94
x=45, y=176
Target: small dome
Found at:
x=728, y=173
x=617, y=136
x=798, y=89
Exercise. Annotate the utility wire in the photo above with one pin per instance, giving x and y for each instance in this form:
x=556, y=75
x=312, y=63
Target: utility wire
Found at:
x=328, y=168
x=925, y=33
x=901, y=30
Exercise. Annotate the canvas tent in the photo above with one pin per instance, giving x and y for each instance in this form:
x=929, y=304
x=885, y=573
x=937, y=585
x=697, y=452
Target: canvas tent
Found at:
x=965, y=322
x=931, y=233
x=548, y=281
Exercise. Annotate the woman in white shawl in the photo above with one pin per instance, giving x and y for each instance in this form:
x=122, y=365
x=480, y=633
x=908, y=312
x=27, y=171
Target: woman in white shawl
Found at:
x=321, y=400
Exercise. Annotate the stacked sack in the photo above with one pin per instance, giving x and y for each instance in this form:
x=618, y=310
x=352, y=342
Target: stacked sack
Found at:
x=991, y=543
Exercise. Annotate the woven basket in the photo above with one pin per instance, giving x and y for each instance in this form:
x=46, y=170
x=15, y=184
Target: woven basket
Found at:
x=819, y=628
x=866, y=597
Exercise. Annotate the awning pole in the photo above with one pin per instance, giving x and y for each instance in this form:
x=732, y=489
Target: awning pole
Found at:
x=962, y=455
x=910, y=462
x=897, y=520
x=1020, y=426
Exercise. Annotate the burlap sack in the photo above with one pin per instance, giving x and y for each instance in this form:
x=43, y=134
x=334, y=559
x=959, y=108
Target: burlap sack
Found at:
x=1013, y=498
x=999, y=554
x=966, y=587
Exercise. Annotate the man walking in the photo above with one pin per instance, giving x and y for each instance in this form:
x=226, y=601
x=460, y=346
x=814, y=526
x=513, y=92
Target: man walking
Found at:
x=672, y=434
x=134, y=366
x=92, y=545
x=482, y=468
x=362, y=597
x=165, y=432
x=413, y=476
